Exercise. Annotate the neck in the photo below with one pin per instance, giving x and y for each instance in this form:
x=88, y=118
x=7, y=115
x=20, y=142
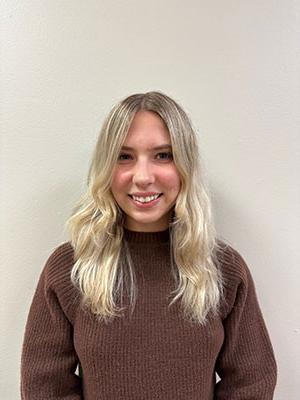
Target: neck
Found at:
x=147, y=237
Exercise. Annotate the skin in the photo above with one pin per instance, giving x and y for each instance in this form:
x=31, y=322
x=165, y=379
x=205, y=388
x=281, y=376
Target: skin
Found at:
x=144, y=169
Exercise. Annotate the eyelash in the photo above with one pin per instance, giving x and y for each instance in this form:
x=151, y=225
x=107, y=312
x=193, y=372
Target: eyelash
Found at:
x=170, y=155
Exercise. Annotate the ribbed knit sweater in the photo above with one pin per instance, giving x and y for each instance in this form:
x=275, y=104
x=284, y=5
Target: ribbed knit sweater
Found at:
x=154, y=354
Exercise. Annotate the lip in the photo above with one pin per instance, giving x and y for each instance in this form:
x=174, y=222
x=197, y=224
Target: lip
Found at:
x=143, y=194
x=145, y=205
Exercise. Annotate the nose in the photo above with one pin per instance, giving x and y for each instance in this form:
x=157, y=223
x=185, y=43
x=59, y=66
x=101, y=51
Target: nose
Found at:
x=142, y=174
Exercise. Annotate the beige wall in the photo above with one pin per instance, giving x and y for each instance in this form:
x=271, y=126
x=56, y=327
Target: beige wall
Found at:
x=233, y=65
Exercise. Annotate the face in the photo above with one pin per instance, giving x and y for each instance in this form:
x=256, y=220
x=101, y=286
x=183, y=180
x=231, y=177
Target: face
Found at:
x=145, y=170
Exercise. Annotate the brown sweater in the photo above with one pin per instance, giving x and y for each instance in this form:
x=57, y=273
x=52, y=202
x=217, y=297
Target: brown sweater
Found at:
x=154, y=354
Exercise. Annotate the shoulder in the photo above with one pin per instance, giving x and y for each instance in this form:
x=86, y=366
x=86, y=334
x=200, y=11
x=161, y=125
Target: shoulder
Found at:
x=60, y=261
x=232, y=264
x=56, y=275
x=59, y=264
x=236, y=276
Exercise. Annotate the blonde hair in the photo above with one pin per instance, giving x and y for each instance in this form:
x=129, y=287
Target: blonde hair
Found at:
x=102, y=260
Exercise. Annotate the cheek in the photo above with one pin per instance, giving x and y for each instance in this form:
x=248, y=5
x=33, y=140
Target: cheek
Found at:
x=119, y=180
x=172, y=179
x=169, y=178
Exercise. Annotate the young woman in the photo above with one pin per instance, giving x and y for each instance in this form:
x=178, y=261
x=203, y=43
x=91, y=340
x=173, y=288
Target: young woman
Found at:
x=145, y=300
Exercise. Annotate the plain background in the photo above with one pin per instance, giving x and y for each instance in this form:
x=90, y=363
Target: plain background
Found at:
x=234, y=67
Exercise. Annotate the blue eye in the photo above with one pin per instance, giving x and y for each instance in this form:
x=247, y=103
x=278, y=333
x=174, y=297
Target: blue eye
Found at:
x=165, y=156
x=123, y=155
x=169, y=154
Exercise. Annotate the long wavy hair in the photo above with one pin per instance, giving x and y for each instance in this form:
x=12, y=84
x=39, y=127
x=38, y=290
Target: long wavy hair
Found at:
x=103, y=266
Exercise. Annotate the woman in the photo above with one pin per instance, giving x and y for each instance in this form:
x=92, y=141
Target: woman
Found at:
x=145, y=299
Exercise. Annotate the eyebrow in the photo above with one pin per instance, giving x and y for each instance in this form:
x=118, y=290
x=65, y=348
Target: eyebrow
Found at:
x=163, y=146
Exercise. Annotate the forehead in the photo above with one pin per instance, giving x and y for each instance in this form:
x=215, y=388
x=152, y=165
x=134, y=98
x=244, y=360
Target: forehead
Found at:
x=147, y=128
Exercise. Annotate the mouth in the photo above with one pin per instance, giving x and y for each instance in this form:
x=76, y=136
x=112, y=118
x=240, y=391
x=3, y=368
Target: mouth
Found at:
x=130, y=195
x=144, y=204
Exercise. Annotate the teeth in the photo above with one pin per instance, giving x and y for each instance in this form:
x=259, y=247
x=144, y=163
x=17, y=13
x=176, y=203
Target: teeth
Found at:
x=145, y=199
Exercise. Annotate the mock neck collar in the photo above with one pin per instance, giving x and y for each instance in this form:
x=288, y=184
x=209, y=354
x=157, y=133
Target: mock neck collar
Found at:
x=146, y=237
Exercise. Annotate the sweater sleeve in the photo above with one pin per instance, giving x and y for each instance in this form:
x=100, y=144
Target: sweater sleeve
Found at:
x=246, y=362
x=49, y=360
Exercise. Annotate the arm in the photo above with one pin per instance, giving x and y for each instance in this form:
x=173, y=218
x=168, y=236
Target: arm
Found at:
x=246, y=363
x=49, y=359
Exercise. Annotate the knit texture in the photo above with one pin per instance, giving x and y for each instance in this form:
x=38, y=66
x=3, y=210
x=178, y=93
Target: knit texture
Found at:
x=153, y=354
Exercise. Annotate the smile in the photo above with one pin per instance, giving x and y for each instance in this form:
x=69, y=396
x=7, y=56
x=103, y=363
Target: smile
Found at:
x=144, y=202
x=146, y=199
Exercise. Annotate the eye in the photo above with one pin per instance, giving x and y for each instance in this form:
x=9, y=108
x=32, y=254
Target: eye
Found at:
x=162, y=156
x=168, y=154
x=123, y=155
